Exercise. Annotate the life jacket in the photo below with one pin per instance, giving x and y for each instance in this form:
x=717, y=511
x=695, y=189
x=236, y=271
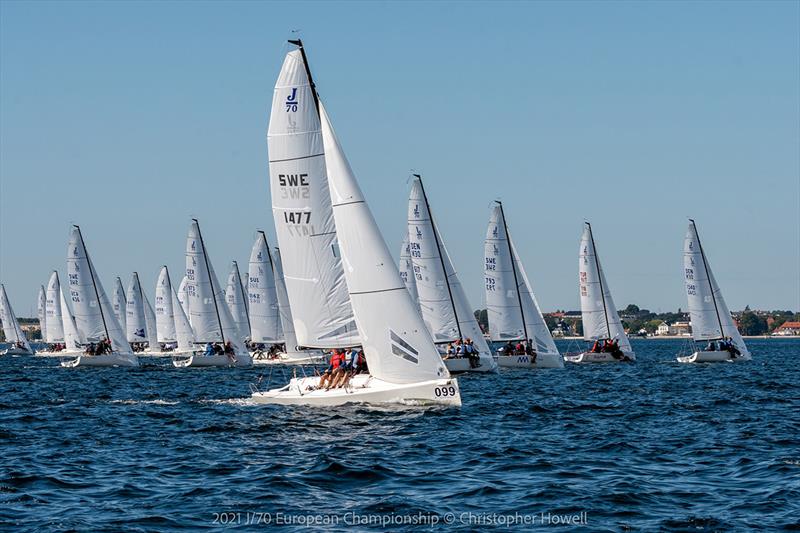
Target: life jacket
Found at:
x=361, y=360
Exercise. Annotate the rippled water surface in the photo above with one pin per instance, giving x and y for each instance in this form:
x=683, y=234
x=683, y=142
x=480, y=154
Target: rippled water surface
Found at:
x=645, y=446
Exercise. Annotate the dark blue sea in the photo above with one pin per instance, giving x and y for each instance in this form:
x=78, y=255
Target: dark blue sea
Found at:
x=654, y=445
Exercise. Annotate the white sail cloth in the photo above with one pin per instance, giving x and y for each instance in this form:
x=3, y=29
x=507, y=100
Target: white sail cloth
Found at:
x=11, y=329
x=211, y=320
x=511, y=305
x=41, y=311
x=710, y=317
x=165, y=312
x=236, y=300
x=94, y=314
x=598, y=312
x=304, y=221
x=73, y=338
x=55, y=329
x=183, y=298
x=265, y=317
x=140, y=318
x=398, y=347
x=407, y=272
x=120, y=303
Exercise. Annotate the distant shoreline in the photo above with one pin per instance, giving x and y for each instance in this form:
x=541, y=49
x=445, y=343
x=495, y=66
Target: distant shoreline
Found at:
x=687, y=337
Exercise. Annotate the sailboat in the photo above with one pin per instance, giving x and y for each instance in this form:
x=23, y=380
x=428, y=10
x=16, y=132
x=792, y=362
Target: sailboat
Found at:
x=601, y=321
x=211, y=320
x=54, y=336
x=407, y=271
x=514, y=314
x=93, y=311
x=140, y=317
x=120, y=303
x=172, y=324
x=404, y=364
x=442, y=301
x=41, y=312
x=711, y=320
x=15, y=337
x=236, y=299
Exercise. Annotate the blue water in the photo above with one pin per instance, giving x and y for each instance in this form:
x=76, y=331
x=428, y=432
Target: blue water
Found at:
x=645, y=446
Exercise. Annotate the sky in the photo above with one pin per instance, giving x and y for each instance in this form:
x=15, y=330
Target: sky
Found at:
x=129, y=118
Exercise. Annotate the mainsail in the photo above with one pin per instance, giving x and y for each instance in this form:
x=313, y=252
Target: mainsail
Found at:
x=93, y=312
x=407, y=271
x=711, y=319
x=165, y=311
x=444, y=305
x=55, y=329
x=511, y=305
x=41, y=311
x=141, y=319
x=265, y=319
x=236, y=299
x=11, y=329
x=301, y=206
x=599, y=314
x=211, y=319
x=398, y=347
x=120, y=303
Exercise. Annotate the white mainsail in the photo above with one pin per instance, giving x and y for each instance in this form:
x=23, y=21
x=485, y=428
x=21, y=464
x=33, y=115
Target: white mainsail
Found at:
x=183, y=298
x=55, y=329
x=135, y=314
x=711, y=319
x=93, y=311
x=442, y=300
x=265, y=317
x=11, y=329
x=165, y=311
x=120, y=304
x=513, y=311
x=73, y=338
x=211, y=320
x=41, y=311
x=407, y=271
x=304, y=221
x=398, y=347
x=599, y=314
x=236, y=299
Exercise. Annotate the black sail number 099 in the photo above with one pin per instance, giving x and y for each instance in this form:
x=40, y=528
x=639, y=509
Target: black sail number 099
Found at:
x=442, y=392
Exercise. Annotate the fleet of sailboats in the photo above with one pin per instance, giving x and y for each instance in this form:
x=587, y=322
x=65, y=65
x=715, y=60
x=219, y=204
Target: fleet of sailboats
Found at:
x=333, y=285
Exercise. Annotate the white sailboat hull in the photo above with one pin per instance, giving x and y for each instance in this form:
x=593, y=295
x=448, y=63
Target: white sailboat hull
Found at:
x=363, y=388
x=712, y=357
x=16, y=351
x=461, y=364
x=198, y=361
x=592, y=357
x=547, y=360
x=106, y=360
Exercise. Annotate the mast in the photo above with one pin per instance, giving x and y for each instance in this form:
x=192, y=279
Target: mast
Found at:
x=514, y=270
x=210, y=281
x=708, y=278
x=244, y=297
x=299, y=43
x=599, y=279
x=94, y=284
x=441, y=259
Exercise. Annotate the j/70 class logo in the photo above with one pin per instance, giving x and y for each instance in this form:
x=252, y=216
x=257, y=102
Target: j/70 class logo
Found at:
x=291, y=101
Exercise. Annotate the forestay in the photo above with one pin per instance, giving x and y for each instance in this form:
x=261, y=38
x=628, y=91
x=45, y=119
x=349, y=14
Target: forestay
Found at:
x=55, y=329
x=265, y=319
x=710, y=317
x=93, y=312
x=598, y=312
x=11, y=327
x=513, y=311
x=304, y=222
x=398, y=347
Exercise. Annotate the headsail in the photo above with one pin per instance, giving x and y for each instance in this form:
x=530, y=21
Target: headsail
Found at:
x=598, y=312
x=93, y=312
x=513, y=311
x=11, y=329
x=301, y=206
x=287, y=323
x=711, y=319
x=41, y=311
x=407, y=272
x=55, y=329
x=398, y=347
x=73, y=338
x=211, y=319
x=265, y=319
x=236, y=299
x=183, y=298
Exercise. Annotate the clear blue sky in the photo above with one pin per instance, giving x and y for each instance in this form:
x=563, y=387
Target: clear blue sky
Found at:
x=129, y=118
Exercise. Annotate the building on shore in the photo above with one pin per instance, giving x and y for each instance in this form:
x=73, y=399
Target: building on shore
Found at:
x=787, y=329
